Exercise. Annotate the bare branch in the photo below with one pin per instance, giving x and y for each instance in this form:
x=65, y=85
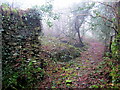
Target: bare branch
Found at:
x=106, y=18
x=114, y=9
x=112, y=28
x=107, y=5
x=81, y=14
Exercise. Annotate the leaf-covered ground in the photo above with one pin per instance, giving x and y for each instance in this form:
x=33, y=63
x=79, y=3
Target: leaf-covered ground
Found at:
x=81, y=72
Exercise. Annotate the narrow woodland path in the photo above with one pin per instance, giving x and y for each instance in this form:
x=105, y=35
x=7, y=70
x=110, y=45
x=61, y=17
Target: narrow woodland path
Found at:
x=79, y=73
x=93, y=54
x=90, y=60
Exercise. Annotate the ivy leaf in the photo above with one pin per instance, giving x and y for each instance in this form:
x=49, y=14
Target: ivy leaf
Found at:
x=68, y=81
x=113, y=19
x=94, y=86
x=30, y=64
x=49, y=23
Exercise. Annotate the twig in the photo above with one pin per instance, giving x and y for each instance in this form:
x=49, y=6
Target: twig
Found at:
x=114, y=9
x=112, y=28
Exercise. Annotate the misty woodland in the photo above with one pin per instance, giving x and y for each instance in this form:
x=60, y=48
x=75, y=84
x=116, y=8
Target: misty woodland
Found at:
x=70, y=48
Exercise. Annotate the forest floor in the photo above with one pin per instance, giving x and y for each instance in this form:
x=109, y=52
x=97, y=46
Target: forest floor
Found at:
x=81, y=72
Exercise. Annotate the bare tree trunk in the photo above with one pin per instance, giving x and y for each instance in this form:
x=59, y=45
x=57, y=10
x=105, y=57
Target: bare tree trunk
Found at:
x=77, y=27
x=110, y=48
x=110, y=44
x=80, y=40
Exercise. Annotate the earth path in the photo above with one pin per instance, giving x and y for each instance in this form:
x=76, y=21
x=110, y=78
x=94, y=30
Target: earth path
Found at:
x=82, y=69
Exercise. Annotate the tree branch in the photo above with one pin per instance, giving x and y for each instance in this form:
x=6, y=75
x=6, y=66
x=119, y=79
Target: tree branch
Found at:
x=108, y=6
x=112, y=28
x=106, y=18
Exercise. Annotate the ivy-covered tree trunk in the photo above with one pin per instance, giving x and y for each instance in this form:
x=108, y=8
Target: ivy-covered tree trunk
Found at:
x=116, y=44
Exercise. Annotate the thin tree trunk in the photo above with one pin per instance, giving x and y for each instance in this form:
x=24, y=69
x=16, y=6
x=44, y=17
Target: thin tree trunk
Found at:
x=77, y=27
x=80, y=41
x=110, y=48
